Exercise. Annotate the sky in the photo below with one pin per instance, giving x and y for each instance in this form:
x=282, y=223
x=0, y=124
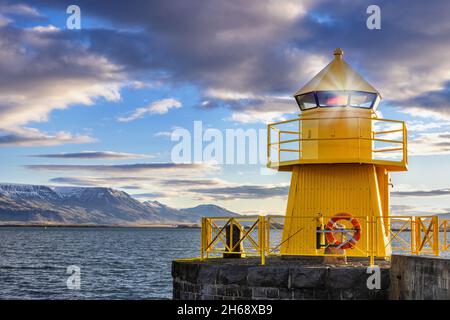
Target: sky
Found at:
x=97, y=106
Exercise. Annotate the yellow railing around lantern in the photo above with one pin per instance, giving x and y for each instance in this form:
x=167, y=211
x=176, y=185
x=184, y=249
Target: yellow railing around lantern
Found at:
x=262, y=236
x=372, y=140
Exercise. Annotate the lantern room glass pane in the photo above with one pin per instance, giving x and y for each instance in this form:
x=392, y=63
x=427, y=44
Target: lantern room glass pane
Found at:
x=306, y=101
x=362, y=99
x=333, y=98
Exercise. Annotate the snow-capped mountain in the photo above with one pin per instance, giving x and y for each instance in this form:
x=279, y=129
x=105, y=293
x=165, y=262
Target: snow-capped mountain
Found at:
x=20, y=191
x=208, y=210
x=36, y=204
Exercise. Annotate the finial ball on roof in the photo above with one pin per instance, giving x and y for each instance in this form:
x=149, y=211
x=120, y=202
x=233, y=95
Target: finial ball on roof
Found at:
x=338, y=53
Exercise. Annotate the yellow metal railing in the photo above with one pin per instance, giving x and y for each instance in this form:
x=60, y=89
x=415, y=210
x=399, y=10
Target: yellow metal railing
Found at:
x=262, y=236
x=286, y=139
x=418, y=234
x=444, y=227
x=219, y=236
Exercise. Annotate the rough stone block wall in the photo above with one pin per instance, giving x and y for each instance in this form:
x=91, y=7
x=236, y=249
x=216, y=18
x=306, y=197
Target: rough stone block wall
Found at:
x=420, y=278
x=246, y=279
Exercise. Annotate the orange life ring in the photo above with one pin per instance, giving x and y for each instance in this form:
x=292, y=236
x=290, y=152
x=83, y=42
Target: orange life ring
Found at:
x=349, y=244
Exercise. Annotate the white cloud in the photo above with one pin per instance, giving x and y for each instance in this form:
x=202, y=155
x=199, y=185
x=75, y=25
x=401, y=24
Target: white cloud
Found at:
x=157, y=107
x=92, y=155
x=140, y=85
x=152, y=169
x=31, y=137
x=40, y=73
x=253, y=116
x=267, y=109
x=420, y=126
x=412, y=210
x=20, y=9
x=420, y=112
x=194, y=187
x=49, y=28
x=171, y=179
x=430, y=144
x=166, y=134
x=225, y=94
x=4, y=21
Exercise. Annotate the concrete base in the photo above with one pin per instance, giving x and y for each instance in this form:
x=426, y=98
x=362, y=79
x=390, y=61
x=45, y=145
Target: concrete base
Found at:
x=293, y=279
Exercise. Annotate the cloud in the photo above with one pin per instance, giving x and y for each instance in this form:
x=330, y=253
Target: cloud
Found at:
x=255, y=116
x=127, y=169
x=243, y=192
x=157, y=107
x=233, y=46
x=19, y=10
x=166, y=134
x=195, y=187
x=430, y=104
x=150, y=195
x=272, y=48
x=248, y=57
x=265, y=110
x=421, y=193
x=430, y=143
x=252, y=109
x=190, y=182
x=30, y=137
x=49, y=28
x=151, y=186
x=127, y=183
x=106, y=181
x=92, y=155
x=76, y=181
x=402, y=209
x=408, y=210
x=235, y=49
x=59, y=73
x=120, y=180
x=43, y=69
x=421, y=126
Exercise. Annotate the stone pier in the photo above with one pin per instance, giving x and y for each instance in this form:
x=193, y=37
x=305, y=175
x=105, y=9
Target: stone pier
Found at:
x=291, y=279
x=299, y=278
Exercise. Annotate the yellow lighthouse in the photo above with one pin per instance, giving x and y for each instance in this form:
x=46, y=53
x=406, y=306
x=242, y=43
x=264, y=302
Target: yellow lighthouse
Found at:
x=340, y=155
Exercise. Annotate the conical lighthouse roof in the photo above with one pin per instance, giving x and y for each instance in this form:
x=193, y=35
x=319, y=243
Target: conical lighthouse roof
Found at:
x=337, y=75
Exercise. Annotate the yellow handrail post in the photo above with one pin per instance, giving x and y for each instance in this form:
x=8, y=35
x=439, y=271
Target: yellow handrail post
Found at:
x=372, y=237
x=230, y=245
x=202, y=239
x=413, y=235
x=299, y=139
x=279, y=146
x=267, y=235
x=417, y=234
x=435, y=221
x=262, y=240
x=406, y=144
x=445, y=235
x=208, y=236
x=405, y=151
